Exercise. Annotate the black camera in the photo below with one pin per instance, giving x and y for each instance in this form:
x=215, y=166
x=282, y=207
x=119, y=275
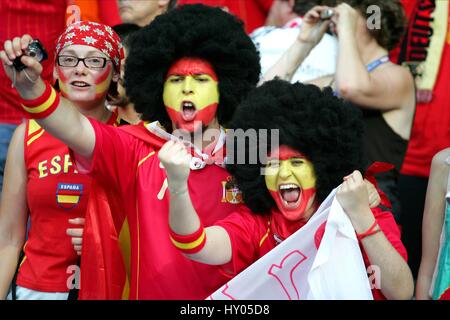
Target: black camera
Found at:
x=35, y=50
x=326, y=14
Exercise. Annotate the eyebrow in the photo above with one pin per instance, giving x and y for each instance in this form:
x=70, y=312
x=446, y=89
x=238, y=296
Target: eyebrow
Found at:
x=87, y=53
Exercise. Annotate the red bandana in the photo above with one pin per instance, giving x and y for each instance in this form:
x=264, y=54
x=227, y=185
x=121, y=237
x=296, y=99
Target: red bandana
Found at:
x=95, y=35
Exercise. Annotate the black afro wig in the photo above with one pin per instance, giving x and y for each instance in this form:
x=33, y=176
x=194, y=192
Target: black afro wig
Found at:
x=190, y=31
x=327, y=130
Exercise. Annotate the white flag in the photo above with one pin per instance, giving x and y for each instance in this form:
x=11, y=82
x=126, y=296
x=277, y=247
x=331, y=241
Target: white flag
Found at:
x=296, y=269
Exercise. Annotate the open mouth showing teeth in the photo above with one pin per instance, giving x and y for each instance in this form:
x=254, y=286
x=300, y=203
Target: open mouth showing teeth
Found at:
x=80, y=84
x=188, y=110
x=290, y=194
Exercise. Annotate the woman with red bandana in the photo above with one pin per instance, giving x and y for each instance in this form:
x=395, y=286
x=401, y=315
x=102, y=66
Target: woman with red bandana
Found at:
x=319, y=145
x=41, y=179
x=185, y=73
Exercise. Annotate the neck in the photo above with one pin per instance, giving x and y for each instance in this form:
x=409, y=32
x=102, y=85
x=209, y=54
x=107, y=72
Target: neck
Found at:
x=97, y=111
x=371, y=51
x=205, y=137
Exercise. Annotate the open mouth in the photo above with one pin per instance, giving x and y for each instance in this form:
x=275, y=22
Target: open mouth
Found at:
x=80, y=84
x=188, y=111
x=290, y=195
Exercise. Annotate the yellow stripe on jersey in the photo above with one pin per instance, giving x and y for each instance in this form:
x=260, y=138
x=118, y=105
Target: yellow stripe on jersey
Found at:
x=33, y=126
x=265, y=236
x=144, y=159
x=37, y=136
x=125, y=248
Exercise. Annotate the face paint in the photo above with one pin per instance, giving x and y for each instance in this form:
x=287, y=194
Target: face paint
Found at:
x=191, y=93
x=97, y=83
x=291, y=181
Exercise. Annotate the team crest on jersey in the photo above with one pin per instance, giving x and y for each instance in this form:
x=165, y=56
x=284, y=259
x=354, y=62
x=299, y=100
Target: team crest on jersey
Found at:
x=231, y=192
x=68, y=195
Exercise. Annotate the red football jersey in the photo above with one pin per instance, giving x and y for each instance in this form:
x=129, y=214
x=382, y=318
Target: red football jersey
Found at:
x=55, y=194
x=131, y=169
x=255, y=235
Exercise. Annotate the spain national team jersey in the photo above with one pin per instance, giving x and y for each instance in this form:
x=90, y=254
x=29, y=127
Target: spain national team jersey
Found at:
x=252, y=236
x=56, y=192
x=131, y=170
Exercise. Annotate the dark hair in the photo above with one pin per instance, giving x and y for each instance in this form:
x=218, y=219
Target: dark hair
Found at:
x=190, y=31
x=393, y=20
x=124, y=30
x=326, y=129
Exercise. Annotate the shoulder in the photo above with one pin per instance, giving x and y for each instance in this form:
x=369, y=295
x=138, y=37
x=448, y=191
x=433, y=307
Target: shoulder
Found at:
x=397, y=75
x=441, y=158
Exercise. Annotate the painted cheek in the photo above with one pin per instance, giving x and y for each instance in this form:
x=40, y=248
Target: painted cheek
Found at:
x=171, y=96
x=102, y=82
x=305, y=175
x=271, y=175
x=62, y=82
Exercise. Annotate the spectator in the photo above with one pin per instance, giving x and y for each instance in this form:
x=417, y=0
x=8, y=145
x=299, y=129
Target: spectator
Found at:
x=319, y=60
x=123, y=106
x=144, y=11
x=364, y=76
x=434, y=273
x=426, y=49
x=320, y=145
x=40, y=174
x=252, y=12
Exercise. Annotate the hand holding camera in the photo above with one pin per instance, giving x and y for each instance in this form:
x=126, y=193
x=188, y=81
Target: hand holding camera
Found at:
x=21, y=59
x=34, y=50
x=315, y=23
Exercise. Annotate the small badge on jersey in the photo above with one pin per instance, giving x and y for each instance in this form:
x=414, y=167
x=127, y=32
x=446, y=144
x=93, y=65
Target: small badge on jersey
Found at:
x=231, y=192
x=68, y=195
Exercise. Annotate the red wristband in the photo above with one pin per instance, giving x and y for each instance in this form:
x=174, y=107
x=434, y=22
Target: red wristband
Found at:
x=369, y=232
x=191, y=243
x=42, y=106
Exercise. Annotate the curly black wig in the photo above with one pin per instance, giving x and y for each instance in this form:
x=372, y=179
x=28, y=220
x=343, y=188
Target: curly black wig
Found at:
x=190, y=31
x=326, y=129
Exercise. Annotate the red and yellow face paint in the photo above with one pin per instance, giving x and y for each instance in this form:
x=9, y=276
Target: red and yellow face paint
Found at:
x=191, y=93
x=98, y=80
x=291, y=181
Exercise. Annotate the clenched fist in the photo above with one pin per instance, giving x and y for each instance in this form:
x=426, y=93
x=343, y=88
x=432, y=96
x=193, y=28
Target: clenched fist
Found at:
x=353, y=195
x=176, y=160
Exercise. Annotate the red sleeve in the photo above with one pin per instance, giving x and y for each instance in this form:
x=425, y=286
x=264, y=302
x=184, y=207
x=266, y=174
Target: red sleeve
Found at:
x=113, y=158
x=243, y=228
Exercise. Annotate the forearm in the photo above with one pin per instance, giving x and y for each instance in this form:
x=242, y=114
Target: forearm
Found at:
x=423, y=285
x=395, y=277
x=183, y=219
x=289, y=62
x=8, y=263
x=65, y=123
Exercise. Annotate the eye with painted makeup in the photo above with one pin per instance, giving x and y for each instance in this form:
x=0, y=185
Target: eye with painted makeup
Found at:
x=296, y=162
x=202, y=78
x=176, y=79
